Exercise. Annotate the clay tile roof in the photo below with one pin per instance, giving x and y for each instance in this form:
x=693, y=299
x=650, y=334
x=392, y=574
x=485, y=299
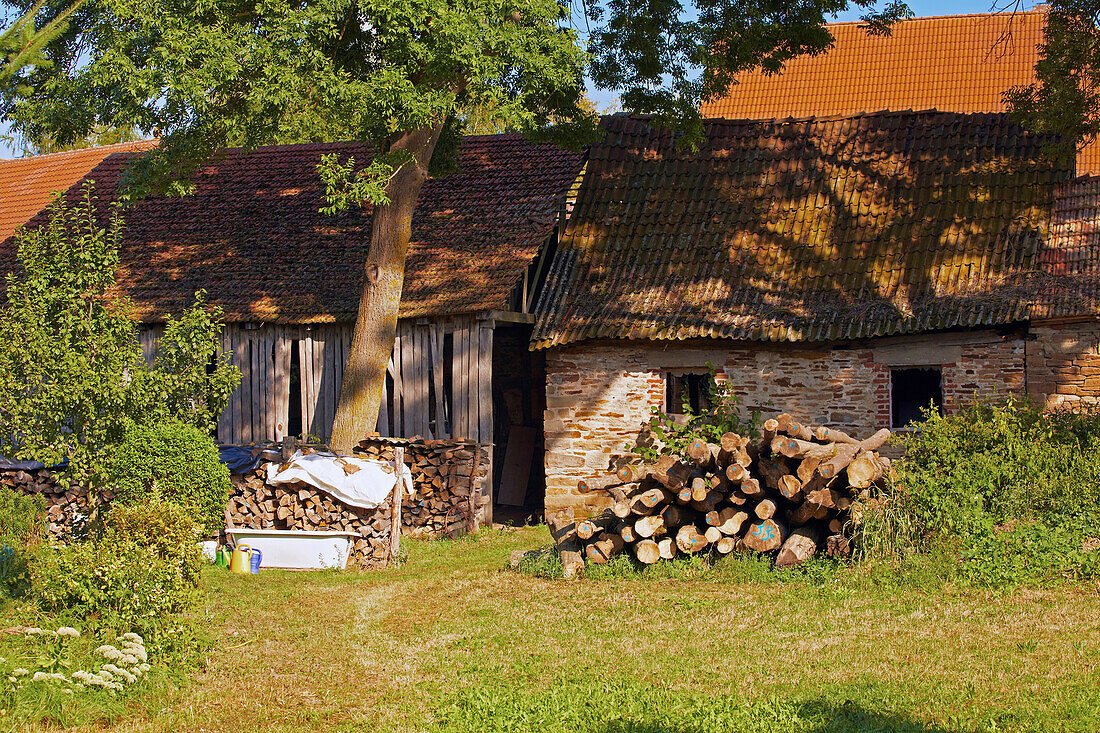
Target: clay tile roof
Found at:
x=27, y=185
x=1068, y=279
x=251, y=234
x=956, y=63
x=802, y=230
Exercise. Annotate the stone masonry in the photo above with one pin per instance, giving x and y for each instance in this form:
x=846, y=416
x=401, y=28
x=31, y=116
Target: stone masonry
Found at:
x=599, y=393
x=1063, y=364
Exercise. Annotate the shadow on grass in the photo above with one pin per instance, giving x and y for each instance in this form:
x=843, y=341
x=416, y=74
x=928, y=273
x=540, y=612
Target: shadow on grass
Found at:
x=814, y=716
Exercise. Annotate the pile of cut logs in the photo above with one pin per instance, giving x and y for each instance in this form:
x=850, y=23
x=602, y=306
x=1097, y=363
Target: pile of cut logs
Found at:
x=255, y=504
x=447, y=479
x=67, y=504
x=787, y=492
x=450, y=496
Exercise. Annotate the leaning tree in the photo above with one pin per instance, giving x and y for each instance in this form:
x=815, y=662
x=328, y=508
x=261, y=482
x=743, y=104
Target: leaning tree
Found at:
x=401, y=75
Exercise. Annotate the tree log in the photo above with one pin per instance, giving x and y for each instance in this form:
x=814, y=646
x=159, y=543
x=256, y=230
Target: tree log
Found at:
x=865, y=469
x=800, y=546
x=828, y=435
x=764, y=536
x=833, y=466
x=650, y=526
x=647, y=551
x=876, y=441
x=765, y=509
x=605, y=547
x=688, y=539
x=667, y=548
x=790, y=487
x=838, y=546
x=603, y=483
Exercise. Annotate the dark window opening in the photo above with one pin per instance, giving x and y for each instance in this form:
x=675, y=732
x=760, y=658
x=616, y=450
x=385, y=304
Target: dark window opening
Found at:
x=912, y=390
x=294, y=418
x=689, y=391
x=387, y=406
x=448, y=392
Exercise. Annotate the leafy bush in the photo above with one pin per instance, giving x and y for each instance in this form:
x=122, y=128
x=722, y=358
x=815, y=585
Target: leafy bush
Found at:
x=72, y=376
x=22, y=527
x=1017, y=489
x=725, y=415
x=174, y=462
x=138, y=576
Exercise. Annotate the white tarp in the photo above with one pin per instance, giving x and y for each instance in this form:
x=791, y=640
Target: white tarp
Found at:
x=355, y=481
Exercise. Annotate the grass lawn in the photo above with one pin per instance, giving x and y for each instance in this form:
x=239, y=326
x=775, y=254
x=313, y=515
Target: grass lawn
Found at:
x=450, y=641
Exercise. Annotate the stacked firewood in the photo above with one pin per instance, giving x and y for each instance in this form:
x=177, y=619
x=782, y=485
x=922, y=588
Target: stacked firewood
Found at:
x=788, y=492
x=448, y=482
x=255, y=504
x=67, y=502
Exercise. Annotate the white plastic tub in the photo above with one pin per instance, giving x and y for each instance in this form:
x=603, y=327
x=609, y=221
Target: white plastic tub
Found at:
x=292, y=549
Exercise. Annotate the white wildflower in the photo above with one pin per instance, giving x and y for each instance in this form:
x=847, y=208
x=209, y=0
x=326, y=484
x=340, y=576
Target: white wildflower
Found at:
x=66, y=691
x=40, y=677
x=128, y=660
x=19, y=672
x=144, y=667
x=105, y=675
x=68, y=631
x=131, y=636
x=32, y=631
x=110, y=653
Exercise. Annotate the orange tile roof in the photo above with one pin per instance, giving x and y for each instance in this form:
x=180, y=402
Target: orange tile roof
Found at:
x=955, y=63
x=28, y=185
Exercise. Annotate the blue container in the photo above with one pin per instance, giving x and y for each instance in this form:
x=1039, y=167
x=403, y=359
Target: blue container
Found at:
x=257, y=558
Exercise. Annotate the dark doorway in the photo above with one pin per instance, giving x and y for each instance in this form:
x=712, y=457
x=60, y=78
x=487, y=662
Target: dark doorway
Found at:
x=519, y=399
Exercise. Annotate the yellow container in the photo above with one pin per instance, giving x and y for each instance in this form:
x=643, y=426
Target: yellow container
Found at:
x=241, y=563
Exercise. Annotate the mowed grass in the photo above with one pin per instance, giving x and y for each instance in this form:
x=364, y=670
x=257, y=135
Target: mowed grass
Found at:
x=450, y=641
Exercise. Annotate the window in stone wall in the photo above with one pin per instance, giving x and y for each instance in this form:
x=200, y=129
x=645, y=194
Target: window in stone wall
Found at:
x=691, y=388
x=913, y=389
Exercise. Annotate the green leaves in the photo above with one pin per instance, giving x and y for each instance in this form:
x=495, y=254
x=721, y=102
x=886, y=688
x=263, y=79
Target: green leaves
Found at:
x=1065, y=99
x=220, y=73
x=72, y=376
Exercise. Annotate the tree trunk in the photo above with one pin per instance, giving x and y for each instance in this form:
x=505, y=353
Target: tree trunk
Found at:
x=383, y=275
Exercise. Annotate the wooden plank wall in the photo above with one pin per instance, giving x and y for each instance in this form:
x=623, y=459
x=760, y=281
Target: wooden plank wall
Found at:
x=416, y=397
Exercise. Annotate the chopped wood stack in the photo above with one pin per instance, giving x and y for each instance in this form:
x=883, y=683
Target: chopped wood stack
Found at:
x=449, y=479
x=788, y=493
x=67, y=504
x=255, y=504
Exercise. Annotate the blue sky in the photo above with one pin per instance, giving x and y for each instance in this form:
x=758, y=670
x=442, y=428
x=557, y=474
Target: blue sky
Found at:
x=919, y=8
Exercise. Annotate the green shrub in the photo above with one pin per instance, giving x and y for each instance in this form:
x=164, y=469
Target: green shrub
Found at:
x=1014, y=489
x=172, y=461
x=72, y=376
x=22, y=528
x=666, y=434
x=138, y=576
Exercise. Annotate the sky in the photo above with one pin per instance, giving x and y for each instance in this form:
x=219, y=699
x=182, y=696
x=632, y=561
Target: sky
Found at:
x=606, y=99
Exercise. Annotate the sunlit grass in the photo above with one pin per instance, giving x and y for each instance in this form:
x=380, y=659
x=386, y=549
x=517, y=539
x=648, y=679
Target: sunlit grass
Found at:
x=451, y=641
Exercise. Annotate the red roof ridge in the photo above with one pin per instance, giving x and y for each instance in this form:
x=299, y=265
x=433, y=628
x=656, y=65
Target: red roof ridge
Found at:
x=62, y=155
x=1002, y=13
x=852, y=116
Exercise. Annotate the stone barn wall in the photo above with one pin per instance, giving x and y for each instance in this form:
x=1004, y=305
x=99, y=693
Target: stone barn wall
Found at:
x=1063, y=364
x=599, y=393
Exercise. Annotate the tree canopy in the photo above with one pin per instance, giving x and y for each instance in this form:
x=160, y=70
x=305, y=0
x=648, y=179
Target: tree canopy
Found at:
x=1065, y=98
x=215, y=73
